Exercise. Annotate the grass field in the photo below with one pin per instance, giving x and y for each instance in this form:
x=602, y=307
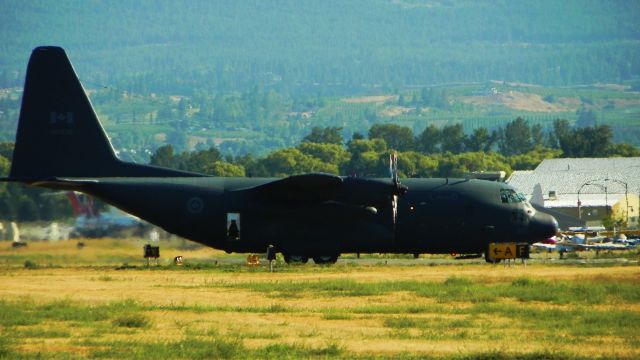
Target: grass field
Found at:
x=58, y=301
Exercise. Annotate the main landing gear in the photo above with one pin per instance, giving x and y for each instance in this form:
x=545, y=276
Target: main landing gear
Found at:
x=295, y=258
x=325, y=259
x=303, y=259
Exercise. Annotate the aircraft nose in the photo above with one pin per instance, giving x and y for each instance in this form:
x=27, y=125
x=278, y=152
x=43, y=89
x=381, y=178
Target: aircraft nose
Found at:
x=543, y=226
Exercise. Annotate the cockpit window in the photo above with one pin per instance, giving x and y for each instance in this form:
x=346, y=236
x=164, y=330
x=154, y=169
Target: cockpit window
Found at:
x=509, y=196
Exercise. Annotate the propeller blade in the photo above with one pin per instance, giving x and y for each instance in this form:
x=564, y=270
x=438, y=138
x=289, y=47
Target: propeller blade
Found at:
x=398, y=189
x=393, y=167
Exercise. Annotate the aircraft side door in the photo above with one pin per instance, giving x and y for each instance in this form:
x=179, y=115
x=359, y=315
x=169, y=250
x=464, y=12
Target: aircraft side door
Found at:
x=234, y=226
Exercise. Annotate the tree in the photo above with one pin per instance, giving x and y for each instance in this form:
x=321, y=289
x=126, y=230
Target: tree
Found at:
x=586, y=117
x=359, y=146
x=368, y=164
x=200, y=161
x=480, y=140
x=291, y=161
x=6, y=150
x=537, y=135
x=224, y=169
x=515, y=138
x=357, y=136
x=178, y=138
x=591, y=141
x=5, y=165
x=533, y=158
x=416, y=165
x=561, y=136
x=366, y=158
x=434, y=98
x=624, y=150
x=397, y=137
x=401, y=100
x=453, y=138
x=328, y=153
x=457, y=165
x=327, y=135
x=429, y=140
x=164, y=157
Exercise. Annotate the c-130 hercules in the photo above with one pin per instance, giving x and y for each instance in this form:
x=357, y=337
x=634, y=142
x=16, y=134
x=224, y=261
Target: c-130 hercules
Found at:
x=60, y=144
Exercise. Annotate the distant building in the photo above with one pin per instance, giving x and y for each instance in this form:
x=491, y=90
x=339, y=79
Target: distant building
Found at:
x=588, y=189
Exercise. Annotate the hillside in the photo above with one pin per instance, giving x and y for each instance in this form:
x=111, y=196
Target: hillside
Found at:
x=251, y=76
x=337, y=46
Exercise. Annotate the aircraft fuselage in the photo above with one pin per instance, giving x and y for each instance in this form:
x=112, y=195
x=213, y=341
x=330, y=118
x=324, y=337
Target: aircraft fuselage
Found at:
x=435, y=216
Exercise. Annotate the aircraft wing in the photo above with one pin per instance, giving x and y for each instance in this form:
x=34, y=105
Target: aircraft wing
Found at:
x=318, y=187
x=307, y=187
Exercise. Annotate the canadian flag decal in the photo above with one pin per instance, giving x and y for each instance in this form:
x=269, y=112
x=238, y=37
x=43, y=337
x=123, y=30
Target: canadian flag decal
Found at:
x=56, y=117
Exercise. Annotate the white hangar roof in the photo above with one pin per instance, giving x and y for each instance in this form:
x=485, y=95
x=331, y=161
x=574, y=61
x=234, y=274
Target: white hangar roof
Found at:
x=567, y=176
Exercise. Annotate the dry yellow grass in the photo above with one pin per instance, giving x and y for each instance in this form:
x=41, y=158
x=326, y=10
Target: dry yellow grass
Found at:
x=303, y=319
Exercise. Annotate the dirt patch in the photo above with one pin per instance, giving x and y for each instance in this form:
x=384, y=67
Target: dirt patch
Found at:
x=160, y=137
x=395, y=111
x=627, y=102
x=370, y=99
x=570, y=103
x=520, y=101
x=616, y=87
x=193, y=141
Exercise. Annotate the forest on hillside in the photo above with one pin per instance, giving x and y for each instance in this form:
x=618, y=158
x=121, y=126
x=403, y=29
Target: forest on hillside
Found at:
x=332, y=47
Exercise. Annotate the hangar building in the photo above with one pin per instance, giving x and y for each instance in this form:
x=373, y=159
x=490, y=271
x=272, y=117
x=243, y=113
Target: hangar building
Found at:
x=587, y=189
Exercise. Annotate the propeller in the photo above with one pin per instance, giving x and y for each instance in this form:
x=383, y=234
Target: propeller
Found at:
x=398, y=188
x=393, y=168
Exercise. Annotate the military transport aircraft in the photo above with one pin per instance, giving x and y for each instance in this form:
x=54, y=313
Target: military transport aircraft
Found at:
x=60, y=144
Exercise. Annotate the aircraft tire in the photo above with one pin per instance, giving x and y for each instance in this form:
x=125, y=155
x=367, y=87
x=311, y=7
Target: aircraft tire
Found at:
x=295, y=258
x=489, y=259
x=325, y=259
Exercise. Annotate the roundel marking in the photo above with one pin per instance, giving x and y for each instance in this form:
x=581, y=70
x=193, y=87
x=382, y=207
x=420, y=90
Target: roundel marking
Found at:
x=195, y=205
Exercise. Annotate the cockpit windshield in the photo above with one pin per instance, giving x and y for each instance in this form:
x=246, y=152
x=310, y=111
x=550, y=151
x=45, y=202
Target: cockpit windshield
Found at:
x=509, y=196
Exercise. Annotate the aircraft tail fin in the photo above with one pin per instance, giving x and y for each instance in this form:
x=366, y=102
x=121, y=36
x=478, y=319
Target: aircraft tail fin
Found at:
x=59, y=134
